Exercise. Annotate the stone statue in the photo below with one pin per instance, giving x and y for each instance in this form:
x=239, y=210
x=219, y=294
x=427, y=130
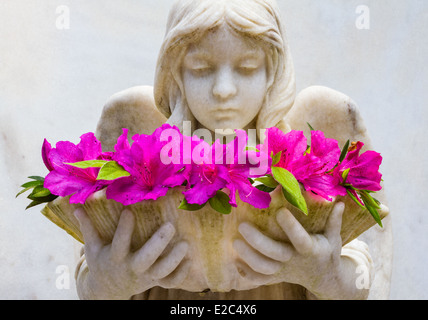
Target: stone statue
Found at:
x=225, y=64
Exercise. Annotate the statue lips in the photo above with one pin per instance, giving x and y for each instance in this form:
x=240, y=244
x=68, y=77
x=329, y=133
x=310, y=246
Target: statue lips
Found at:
x=224, y=113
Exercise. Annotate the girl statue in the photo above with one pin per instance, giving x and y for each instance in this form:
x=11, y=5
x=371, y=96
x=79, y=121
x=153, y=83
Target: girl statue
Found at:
x=225, y=64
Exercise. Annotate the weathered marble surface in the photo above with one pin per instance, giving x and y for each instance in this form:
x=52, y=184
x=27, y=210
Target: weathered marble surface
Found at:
x=53, y=84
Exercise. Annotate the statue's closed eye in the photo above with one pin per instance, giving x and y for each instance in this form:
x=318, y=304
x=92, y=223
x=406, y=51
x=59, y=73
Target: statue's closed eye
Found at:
x=248, y=68
x=198, y=66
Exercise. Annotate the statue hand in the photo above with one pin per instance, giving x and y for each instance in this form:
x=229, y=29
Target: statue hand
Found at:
x=311, y=260
x=117, y=273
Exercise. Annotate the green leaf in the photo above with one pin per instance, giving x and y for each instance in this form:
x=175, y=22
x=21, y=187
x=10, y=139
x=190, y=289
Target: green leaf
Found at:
x=290, y=188
x=310, y=127
x=45, y=199
x=182, y=169
x=375, y=215
x=268, y=181
x=367, y=198
x=344, y=151
x=276, y=158
x=264, y=188
x=371, y=206
x=32, y=184
x=184, y=205
x=37, y=178
x=345, y=174
x=249, y=148
x=37, y=182
x=220, y=203
x=39, y=192
x=354, y=198
x=33, y=204
x=376, y=200
x=40, y=200
x=22, y=191
x=349, y=186
x=89, y=164
x=112, y=171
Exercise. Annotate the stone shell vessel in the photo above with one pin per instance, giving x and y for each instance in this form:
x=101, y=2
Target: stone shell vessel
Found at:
x=210, y=235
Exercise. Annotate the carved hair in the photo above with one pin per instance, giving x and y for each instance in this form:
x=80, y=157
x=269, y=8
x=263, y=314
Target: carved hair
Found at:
x=190, y=20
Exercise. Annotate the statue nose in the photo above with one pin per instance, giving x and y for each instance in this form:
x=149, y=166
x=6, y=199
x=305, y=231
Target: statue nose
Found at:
x=225, y=87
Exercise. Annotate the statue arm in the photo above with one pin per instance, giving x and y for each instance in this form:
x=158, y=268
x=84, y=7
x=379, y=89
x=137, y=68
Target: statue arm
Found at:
x=338, y=117
x=133, y=109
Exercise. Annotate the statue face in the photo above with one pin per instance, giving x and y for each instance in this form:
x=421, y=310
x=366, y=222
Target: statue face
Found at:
x=225, y=80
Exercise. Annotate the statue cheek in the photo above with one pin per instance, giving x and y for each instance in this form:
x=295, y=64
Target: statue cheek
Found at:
x=197, y=90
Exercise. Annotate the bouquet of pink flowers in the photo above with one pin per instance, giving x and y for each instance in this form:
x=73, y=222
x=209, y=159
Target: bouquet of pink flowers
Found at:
x=211, y=174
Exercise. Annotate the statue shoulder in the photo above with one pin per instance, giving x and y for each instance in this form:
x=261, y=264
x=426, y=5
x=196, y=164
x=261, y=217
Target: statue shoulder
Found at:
x=134, y=109
x=330, y=111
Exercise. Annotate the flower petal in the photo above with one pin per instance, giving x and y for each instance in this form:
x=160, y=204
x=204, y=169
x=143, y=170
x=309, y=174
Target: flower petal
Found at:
x=87, y=190
x=204, y=189
x=46, y=149
x=122, y=141
x=90, y=146
x=62, y=184
x=324, y=185
x=363, y=169
x=292, y=145
x=127, y=192
x=327, y=150
x=65, y=152
x=249, y=194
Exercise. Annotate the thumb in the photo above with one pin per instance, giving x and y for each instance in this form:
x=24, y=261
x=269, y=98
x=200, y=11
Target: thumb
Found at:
x=334, y=224
x=91, y=237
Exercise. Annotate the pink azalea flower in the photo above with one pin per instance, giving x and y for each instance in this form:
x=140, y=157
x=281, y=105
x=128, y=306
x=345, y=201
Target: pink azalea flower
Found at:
x=291, y=145
x=312, y=169
x=309, y=168
x=63, y=179
x=149, y=177
x=167, y=159
x=240, y=169
x=363, y=169
x=206, y=176
x=227, y=166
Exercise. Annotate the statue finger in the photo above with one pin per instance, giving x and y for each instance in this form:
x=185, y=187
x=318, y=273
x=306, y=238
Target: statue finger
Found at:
x=273, y=249
x=153, y=248
x=177, y=277
x=299, y=237
x=93, y=242
x=255, y=260
x=121, y=244
x=334, y=224
x=167, y=264
x=249, y=275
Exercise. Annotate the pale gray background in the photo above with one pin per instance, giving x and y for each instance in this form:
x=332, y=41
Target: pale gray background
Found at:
x=53, y=84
